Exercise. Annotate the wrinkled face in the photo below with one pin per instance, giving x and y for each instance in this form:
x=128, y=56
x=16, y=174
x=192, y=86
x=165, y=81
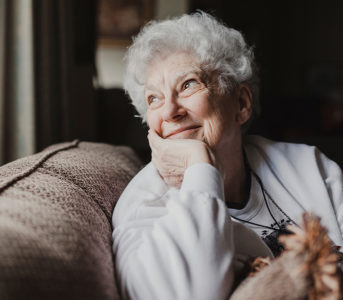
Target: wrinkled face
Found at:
x=182, y=103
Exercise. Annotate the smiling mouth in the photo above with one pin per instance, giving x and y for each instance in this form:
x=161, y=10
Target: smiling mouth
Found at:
x=182, y=129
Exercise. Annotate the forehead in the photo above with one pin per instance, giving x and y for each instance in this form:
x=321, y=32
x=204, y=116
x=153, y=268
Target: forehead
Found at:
x=171, y=67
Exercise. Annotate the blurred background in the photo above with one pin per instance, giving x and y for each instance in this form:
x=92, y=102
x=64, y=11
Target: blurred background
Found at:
x=61, y=69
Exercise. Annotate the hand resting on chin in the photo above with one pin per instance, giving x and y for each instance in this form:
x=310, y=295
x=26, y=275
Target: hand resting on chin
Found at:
x=173, y=157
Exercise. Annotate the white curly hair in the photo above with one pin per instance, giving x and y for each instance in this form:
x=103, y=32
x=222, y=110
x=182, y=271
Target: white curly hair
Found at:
x=219, y=50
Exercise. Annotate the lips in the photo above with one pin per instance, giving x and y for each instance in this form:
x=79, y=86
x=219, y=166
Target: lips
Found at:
x=181, y=129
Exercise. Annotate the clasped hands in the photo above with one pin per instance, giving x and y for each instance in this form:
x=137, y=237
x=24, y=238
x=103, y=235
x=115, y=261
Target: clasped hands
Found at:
x=173, y=157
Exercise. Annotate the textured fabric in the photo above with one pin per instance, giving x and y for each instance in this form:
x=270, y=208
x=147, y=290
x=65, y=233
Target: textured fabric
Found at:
x=55, y=221
x=179, y=243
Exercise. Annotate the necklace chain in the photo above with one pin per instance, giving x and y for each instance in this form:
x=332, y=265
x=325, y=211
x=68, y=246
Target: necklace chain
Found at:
x=278, y=207
x=264, y=193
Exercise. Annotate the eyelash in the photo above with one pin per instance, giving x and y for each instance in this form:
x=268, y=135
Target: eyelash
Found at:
x=150, y=98
x=187, y=82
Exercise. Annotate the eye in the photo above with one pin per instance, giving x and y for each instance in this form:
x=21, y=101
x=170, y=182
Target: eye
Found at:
x=189, y=83
x=153, y=100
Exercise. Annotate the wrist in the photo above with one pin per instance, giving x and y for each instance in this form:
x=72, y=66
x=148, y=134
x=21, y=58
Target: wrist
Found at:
x=200, y=155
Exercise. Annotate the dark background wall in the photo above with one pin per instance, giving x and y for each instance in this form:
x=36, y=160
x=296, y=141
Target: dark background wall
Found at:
x=64, y=68
x=298, y=46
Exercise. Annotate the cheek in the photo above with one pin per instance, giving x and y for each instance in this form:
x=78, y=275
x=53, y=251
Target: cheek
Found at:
x=213, y=130
x=212, y=123
x=218, y=123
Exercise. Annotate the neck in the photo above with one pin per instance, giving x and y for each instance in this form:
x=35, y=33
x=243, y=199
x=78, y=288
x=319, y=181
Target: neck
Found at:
x=235, y=174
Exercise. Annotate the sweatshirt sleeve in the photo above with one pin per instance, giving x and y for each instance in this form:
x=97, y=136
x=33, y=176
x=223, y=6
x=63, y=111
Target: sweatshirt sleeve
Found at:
x=174, y=244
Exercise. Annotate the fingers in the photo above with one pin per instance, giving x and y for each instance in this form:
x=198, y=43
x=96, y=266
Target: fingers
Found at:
x=155, y=141
x=153, y=134
x=152, y=140
x=170, y=179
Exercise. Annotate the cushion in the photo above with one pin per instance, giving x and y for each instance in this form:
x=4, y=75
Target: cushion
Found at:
x=55, y=221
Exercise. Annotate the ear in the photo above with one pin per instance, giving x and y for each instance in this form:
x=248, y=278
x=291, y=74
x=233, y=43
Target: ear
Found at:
x=244, y=98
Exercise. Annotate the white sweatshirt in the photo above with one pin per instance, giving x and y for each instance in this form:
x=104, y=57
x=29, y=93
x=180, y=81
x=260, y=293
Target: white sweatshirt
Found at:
x=182, y=243
x=297, y=178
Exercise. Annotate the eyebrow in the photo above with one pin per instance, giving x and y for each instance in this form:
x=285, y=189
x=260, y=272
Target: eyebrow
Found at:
x=197, y=71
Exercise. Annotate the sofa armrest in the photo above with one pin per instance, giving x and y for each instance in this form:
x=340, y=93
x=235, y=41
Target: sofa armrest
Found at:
x=55, y=221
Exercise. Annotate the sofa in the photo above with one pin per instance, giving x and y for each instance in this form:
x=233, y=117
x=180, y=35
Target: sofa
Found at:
x=55, y=221
x=56, y=233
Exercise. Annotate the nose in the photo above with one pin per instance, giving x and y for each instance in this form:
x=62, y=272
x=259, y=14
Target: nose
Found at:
x=173, y=111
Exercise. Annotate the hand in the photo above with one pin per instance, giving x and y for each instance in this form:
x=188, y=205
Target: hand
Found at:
x=173, y=157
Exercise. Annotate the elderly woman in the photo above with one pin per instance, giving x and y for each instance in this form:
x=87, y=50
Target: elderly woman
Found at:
x=211, y=198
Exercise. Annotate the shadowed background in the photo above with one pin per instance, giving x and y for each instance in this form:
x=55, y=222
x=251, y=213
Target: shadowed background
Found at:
x=75, y=78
